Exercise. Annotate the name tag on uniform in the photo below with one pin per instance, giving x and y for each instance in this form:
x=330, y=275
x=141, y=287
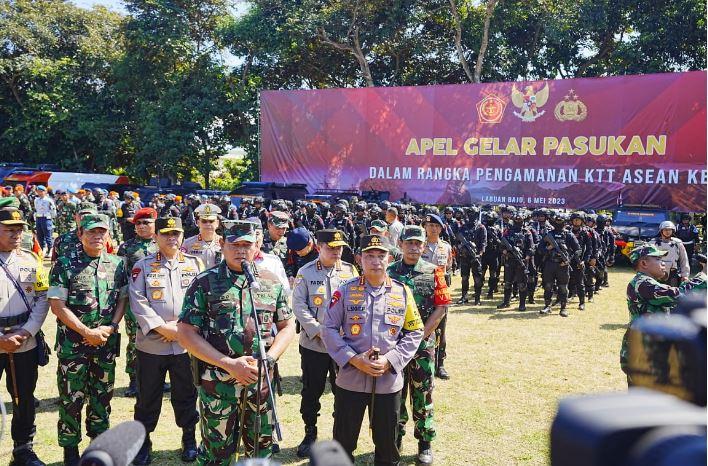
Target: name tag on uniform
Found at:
x=27, y=274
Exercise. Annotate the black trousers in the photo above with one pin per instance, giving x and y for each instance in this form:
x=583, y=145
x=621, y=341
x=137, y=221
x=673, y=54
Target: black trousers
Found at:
x=22, y=428
x=151, y=377
x=316, y=369
x=349, y=410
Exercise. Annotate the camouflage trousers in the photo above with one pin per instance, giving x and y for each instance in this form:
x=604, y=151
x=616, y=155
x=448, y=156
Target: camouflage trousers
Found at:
x=131, y=329
x=418, y=384
x=220, y=415
x=80, y=379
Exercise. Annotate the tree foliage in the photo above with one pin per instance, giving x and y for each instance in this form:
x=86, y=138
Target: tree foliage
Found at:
x=151, y=93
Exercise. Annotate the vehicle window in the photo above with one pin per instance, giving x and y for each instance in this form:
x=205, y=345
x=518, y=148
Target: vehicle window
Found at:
x=643, y=216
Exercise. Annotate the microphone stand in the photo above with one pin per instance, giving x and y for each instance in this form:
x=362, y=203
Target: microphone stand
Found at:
x=262, y=370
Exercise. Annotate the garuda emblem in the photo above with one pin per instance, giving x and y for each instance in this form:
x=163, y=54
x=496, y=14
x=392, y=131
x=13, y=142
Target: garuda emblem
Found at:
x=529, y=102
x=571, y=108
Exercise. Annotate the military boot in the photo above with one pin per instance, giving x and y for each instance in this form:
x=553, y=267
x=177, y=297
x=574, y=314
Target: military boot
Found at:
x=303, y=450
x=477, y=296
x=546, y=309
x=530, y=295
x=132, y=390
x=144, y=455
x=522, y=301
x=463, y=299
x=563, y=311
x=425, y=453
x=71, y=456
x=24, y=455
x=441, y=372
x=505, y=303
x=189, y=445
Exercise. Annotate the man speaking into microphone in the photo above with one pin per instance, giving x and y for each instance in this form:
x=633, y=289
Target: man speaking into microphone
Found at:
x=216, y=326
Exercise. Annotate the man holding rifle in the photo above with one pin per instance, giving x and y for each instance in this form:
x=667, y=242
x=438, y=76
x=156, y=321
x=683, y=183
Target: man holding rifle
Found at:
x=376, y=316
x=560, y=246
x=217, y=327
x=518, y=249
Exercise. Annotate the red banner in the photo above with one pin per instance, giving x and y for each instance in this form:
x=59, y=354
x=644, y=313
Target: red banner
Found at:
x=573, y=143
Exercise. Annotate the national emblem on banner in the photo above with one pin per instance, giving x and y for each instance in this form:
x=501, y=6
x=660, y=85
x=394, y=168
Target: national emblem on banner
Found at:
x=490, y=109
x=529, y=102
x=571, y=108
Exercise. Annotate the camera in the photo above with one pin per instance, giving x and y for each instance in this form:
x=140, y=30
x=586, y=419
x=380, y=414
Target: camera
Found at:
x=661, y=420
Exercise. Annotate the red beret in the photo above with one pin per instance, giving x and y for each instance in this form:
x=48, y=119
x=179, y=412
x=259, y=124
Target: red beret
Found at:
x=145, y=212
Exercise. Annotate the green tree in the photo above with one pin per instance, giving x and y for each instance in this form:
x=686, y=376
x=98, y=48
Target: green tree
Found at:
x=56, y=103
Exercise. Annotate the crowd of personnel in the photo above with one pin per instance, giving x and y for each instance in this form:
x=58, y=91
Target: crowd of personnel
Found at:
x=365, y=285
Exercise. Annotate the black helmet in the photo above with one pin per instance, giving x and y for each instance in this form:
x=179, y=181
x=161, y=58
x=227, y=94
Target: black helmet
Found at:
x=577, y=214
x=448, y=210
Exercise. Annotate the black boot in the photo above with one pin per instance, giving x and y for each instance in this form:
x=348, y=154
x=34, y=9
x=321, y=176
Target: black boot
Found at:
x=132, y=390
x=563, y=311
x=441, y=372
x=425, y=454
x=477, y=296
x=303, y=450
x=23, y=455
x=71, y=456
x=530, y=296
x=463, y=299
x=522, y=301
x=144, y=456
x=189, y=445
x=505, y=303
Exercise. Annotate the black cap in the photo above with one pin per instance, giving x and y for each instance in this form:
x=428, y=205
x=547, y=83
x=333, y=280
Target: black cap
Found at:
x=167, y=224
x=332, y=237
x=373, y=242
x=10, y=216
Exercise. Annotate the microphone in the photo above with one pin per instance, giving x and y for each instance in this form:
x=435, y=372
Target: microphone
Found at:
x=115, y=447
x=250, y=278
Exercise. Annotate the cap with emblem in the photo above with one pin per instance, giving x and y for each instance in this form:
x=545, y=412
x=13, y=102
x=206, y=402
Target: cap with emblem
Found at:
x=333, y=238
x=10, y=201
x=240, y=231
x=432, y=218
x=279, y=219
x=379, y=225
x=298, y=239
x=369, y=242
x=167, y=224
x=145, y=212
x=86, y=208
x=208, y=211
x=644, y=251
x=413, y=232
x=91, y=221
x=11, y=216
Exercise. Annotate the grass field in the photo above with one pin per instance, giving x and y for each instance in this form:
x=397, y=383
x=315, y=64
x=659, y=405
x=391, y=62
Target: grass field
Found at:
x=508, y=368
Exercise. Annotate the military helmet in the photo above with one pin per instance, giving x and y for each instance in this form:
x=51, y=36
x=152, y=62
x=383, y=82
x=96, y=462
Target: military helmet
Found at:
x=384, y=205
x=667, y=224
x=448, y=210
x=591, y=218
x=577, y=214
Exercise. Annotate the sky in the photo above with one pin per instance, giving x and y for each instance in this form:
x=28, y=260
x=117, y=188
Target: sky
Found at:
x=115, y=5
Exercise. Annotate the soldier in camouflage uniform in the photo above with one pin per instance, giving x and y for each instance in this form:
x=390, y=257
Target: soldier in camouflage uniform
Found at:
x=66, y=210
x=274, y=240
x=69, y=244
x=132, y=251
x=216, y=326
x=88, y=294
x=427, y=282
x=646, y=294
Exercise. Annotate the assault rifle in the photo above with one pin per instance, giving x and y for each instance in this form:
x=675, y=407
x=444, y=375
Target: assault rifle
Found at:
x=562, y=253
x=513, y=251
x=469, y=248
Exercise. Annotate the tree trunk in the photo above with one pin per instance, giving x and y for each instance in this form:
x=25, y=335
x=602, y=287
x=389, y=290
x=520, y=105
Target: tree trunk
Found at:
x=458, y=40
x=491, y=4
x=363, y=64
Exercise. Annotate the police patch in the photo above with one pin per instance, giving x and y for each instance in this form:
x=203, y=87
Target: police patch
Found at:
x=317, y=300
x=156, y=294
x=356, y=329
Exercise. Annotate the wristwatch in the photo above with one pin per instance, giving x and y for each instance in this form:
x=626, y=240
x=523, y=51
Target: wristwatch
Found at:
x=115, y=327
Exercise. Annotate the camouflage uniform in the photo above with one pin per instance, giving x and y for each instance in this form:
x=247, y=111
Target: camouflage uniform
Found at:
x=133, y=250
x=68, y=245
x=217, y=303
x=277, y=248
x=91, y=288
x=646, y=295
x=427, y=282
x=65, y=217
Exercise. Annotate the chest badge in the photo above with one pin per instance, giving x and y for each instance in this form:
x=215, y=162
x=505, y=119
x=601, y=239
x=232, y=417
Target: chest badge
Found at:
x=156, y=294
x=392, y=331
x=356, y=329
x=317, y=300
